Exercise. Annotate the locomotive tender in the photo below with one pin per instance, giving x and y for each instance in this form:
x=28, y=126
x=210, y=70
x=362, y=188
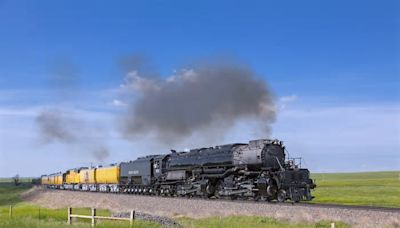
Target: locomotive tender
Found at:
x=257, y=170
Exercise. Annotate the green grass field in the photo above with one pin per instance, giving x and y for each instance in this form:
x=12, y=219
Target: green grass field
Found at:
x=251, y=222
x=10, y=180
x=28, y=215
x=369, y=188
x=9, y=193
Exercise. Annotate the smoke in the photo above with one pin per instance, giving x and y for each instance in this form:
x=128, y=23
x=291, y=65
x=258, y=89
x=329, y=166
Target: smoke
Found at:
x=55, y=126
x=100, y=153
x=67, y=128
x=58, y=125
x=207, y=98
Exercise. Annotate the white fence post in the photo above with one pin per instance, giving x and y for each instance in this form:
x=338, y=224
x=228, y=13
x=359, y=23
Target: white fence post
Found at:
x=93, y=217
x=332, y=225
x=132, y=217
x=69, y=215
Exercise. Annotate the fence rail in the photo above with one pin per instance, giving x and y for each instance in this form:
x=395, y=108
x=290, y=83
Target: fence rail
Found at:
x=94, y=217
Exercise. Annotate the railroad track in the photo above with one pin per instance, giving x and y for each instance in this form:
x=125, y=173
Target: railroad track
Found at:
x=356, y=207
x=250, y=201
x=314, y=205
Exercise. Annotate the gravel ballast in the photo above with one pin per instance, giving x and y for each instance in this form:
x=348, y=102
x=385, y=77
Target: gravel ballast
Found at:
x=163, y=208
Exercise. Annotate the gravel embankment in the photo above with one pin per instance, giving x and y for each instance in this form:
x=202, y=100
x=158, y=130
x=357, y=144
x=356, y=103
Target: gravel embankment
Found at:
x=164, y=221
x=159, y=208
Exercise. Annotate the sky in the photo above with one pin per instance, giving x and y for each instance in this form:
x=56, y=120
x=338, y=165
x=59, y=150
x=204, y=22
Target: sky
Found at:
x=333, y=67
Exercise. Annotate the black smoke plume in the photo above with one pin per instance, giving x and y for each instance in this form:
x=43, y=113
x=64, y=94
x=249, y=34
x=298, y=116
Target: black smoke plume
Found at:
x=100, y=153
x=196, y=99
x=56, y=125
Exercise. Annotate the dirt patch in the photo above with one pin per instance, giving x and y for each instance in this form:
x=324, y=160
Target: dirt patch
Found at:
x=32, y=193
x=198, y=208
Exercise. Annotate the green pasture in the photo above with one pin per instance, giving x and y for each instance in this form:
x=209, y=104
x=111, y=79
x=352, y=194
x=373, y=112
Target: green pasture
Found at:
x=28, y=215
x=11, y=180
x=369, y=188
x=9, y=193
x=250, y=222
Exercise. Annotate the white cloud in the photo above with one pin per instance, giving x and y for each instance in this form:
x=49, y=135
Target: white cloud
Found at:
x=182, y=75
x=119, y=103
x=134, y=81
x=287, y=99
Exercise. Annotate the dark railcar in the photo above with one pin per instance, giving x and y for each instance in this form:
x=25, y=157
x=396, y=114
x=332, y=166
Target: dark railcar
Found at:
x=138, y=172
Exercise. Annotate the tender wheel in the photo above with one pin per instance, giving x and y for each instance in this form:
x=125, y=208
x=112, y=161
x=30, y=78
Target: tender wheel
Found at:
x=281, y=197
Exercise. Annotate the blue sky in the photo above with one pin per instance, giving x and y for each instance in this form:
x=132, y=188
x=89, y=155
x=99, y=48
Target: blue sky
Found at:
x=333, y=66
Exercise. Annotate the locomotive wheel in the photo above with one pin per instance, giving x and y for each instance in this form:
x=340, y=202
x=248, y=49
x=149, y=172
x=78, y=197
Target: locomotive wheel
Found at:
x=232, y=197
x=220, y=187
x=210, y=190
x=281, y=197
x=272, y=190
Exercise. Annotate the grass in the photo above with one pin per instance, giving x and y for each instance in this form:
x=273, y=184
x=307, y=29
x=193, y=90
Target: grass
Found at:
x=28, y=215
x=11, y=180
x=9, y=193
x=250, y=221
x=369, y=188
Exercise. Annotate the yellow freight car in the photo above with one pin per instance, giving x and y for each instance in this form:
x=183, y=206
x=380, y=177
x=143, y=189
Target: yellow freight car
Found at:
x=59, y=179
x=51, y=180
x=54, y=180
x=70, y=176
x=77, y=177
x=45, y=179
x=87, y=176
x=107, y=175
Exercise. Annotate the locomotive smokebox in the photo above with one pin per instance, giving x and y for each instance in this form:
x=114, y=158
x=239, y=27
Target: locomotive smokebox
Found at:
x=260, y=153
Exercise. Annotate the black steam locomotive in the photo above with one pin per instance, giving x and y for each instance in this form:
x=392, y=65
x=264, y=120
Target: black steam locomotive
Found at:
x=256, y=170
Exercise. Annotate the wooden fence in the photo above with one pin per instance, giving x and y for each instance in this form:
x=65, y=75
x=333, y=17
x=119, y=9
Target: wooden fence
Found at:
x=93, y=217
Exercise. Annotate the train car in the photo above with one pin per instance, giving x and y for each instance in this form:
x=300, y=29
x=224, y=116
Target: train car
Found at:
x=108, y=178
x=59, y=179
x=72, y=179
x=53, y=180
x=138, y=176
x=44, y=180
x=87, y=179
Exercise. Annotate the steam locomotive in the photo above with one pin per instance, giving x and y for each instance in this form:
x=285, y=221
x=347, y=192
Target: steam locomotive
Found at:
x=258, y=170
